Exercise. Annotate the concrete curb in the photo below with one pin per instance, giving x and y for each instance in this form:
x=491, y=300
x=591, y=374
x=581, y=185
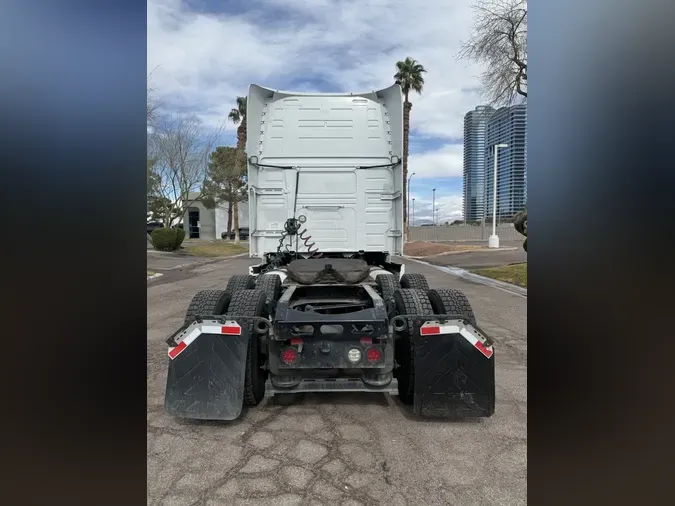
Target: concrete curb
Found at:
x=470, y=276
x=510, y=248
x=155, y=276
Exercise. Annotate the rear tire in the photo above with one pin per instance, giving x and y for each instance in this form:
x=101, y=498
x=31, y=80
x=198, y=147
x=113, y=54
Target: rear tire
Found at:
x=271, y=285
x=252, y=303
x=387, y=284
x=414, y=280
x=240, y=282
x=207, y=302
x=408, y=301
x=471, y=375
x=448, y=302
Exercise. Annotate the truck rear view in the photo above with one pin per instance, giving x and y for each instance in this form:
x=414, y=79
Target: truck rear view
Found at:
x=334, y=159
x=328, y=308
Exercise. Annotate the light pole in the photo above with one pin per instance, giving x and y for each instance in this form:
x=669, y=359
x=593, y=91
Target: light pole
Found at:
x=493, y=240
x=413, y=218
x=408, y=203
x=433, y=206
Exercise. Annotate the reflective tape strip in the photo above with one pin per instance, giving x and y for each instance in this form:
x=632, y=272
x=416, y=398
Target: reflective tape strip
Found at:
x=210, y=329
x=174, y=352
x=434, y=328
x=185, y=342
x=230, y=328
x=430, y=330
x=485, y=350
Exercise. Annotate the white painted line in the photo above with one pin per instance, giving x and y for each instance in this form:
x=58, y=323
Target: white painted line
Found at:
x=196, y=263
x=183, y=266
x=483, y=250
x=470, y=276
x=155, y=276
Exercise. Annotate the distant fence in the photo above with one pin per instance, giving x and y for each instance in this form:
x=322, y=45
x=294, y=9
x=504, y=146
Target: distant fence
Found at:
x=506, y=232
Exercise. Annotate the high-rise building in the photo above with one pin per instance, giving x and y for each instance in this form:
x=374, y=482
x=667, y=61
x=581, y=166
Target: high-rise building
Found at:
x=507, y=125
x=475, y=127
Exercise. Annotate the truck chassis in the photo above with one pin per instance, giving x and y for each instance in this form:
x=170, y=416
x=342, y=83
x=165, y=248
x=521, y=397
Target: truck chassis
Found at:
x=343, y=322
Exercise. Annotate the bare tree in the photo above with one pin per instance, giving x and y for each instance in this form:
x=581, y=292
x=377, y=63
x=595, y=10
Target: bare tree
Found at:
x=179, y=146
x=153, y=102
x=499, y=42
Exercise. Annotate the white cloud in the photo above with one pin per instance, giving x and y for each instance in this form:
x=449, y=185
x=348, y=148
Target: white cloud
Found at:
x=448, y=208
x=205, y=60
x=447, y=161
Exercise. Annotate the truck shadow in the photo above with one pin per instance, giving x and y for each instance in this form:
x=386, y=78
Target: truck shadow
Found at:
x=331, y=398
x=365, y=399
x=409, y=414
x=187, y=422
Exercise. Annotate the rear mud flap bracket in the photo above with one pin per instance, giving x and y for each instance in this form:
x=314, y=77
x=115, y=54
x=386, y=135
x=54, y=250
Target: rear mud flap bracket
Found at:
x=454, y=370
x=207, y=368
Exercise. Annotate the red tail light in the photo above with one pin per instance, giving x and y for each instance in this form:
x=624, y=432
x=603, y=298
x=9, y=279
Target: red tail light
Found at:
x=373, y=355
x=289, y=355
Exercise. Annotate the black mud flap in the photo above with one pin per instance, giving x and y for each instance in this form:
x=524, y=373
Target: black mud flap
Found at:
x=206, y=381
x=453, y=379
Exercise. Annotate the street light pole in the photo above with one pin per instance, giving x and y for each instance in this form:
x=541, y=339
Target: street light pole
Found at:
x=408, y=203
x=433, y=206
x=493, y=240
x=413, y=218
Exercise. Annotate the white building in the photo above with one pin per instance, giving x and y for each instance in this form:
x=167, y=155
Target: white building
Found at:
x=202, y=223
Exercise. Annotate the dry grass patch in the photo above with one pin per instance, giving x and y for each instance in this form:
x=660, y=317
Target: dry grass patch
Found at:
x=216, y=249
x=516, y=274
x=424, y=249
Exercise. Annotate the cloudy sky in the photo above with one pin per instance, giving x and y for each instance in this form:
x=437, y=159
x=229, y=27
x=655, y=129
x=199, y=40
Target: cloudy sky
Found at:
x=204, y=53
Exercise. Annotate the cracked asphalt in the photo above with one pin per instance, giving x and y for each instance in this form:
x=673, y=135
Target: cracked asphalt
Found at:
x=340, y=449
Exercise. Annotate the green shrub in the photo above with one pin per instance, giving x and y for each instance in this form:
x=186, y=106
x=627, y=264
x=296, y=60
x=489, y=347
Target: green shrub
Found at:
x=164, y=239
x=179, y=237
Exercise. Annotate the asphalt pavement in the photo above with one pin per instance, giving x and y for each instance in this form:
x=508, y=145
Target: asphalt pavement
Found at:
x=481, y=259
x=339, y=449
x=175, y=266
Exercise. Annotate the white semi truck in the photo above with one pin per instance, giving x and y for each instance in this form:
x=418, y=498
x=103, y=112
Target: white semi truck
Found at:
x=328, y=308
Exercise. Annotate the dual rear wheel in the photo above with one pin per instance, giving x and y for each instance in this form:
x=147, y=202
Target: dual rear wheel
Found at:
x=244, y=296
x=418, y=299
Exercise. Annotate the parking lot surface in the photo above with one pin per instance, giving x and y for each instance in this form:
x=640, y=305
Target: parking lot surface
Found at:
x=340, y=449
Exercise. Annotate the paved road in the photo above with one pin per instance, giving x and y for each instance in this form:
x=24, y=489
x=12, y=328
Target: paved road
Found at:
x=340, y=449
x=480, y=259
x=175, y=266
x=163, y=261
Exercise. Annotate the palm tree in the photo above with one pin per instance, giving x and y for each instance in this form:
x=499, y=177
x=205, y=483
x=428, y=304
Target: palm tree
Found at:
x=409, y=77
x=238, y=116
